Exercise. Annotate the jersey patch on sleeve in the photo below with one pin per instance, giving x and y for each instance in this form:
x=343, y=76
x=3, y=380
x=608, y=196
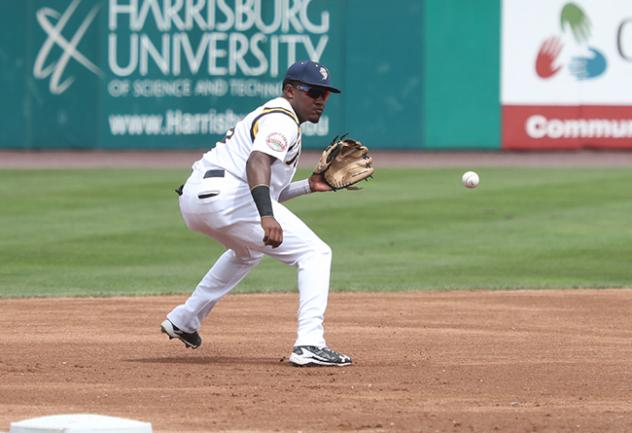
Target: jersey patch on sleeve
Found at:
x=276, y=141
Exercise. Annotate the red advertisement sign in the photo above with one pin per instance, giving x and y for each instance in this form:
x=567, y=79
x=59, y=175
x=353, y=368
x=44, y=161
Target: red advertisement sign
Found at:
x=566, y=127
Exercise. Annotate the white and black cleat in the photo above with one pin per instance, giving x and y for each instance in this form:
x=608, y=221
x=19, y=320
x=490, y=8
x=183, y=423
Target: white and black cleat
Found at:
x=318, y=356
x=190, y=339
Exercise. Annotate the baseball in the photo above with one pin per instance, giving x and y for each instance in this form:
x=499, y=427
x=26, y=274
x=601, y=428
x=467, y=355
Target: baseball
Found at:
x=470, y=179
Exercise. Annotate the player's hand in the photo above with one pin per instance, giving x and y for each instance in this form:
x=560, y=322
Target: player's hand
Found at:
x=273, y=233
x=317, y=183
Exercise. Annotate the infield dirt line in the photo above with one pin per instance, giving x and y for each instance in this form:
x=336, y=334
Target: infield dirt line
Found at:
x=184, y=159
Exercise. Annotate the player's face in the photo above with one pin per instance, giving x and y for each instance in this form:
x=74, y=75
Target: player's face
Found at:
x=309, y=101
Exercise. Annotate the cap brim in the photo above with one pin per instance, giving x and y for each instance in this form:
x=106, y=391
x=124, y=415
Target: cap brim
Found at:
x=330, y=88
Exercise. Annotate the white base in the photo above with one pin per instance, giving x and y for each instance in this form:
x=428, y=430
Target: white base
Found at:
x=80, y=423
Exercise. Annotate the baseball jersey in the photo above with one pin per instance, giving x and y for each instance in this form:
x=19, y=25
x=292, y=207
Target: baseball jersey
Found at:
x=273, y=129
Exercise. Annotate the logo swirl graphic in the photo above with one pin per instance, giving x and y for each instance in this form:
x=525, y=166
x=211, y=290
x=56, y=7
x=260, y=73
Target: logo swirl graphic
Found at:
x=590, y=65
x=55, y=69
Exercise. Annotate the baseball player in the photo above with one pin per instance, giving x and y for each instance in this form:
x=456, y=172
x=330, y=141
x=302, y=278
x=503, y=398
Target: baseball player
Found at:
x=235, y=196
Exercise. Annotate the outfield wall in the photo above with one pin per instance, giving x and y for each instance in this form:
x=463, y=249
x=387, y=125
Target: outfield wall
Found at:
x=426, y=74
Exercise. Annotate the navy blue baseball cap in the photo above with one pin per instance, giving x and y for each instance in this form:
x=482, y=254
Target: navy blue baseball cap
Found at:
x=311, y=73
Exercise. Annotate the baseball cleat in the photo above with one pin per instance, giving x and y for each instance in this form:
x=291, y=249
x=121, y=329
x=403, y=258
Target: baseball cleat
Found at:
x=312, y=355
x=192, y=340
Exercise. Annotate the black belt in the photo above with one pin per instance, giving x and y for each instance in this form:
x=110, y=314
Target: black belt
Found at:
x=214, y=173
x=210, y=173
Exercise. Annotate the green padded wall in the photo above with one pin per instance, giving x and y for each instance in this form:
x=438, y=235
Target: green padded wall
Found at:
x=462, y=71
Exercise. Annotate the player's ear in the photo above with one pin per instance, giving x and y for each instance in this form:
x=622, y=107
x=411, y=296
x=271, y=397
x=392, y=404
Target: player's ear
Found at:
x=288, y=89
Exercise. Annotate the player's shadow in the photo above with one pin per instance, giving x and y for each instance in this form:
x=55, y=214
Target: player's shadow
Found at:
x=211, y=360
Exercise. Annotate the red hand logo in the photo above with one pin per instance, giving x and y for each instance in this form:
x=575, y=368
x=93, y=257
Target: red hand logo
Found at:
x=547, y=55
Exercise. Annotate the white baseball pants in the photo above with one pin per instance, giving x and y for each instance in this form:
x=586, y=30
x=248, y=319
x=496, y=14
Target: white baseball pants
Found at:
x=231, y=218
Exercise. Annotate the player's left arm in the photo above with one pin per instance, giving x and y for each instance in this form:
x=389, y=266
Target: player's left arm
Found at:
x=314, y=183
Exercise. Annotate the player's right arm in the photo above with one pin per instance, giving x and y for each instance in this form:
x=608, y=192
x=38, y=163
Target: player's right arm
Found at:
x=272, y=135
x=258, y=170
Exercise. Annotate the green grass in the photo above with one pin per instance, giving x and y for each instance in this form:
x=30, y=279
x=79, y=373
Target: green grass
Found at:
x=107, y=232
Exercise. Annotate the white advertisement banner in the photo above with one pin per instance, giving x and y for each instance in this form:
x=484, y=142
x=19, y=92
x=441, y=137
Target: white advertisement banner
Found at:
x=556, y=52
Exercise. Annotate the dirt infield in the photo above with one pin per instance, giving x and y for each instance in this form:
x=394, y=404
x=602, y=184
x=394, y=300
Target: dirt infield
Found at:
x=523, y=361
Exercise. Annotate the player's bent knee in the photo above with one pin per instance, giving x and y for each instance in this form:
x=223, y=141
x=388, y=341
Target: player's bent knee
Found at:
x=246, y=257
x=325, y=250
x=321, y=252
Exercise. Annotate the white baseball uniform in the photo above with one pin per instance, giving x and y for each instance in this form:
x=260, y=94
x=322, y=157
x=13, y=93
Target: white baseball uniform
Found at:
x=220, y=205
